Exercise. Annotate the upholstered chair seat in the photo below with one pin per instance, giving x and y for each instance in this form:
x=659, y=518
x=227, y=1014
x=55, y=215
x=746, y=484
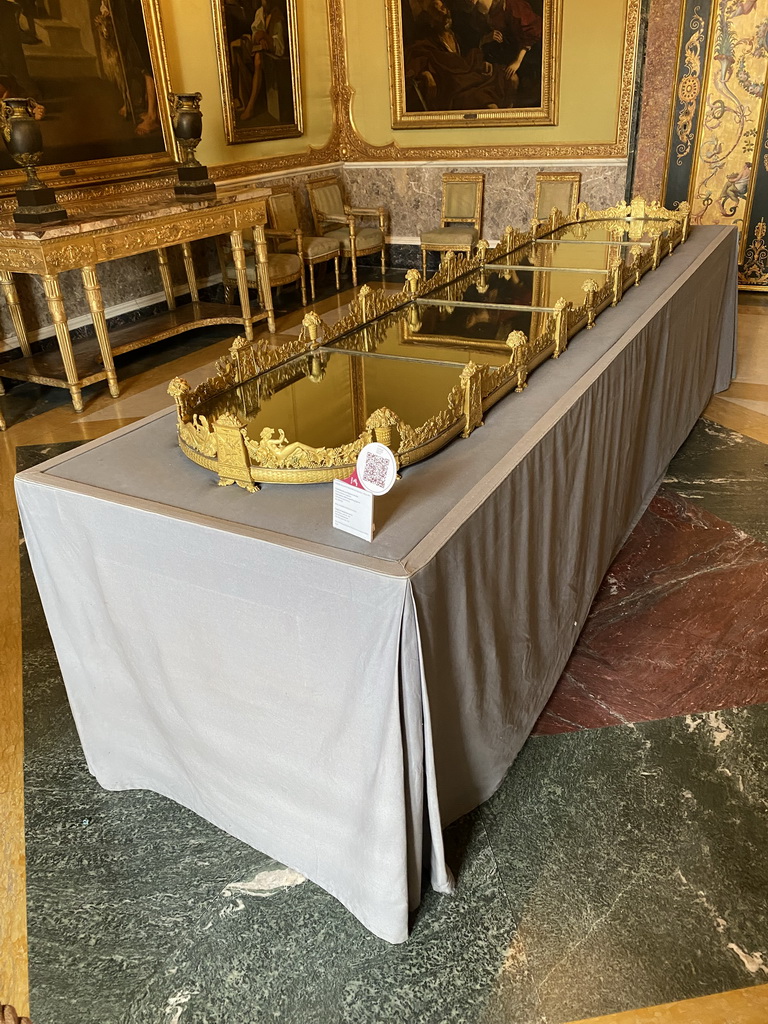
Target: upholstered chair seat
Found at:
x=457, y=236
x=325, y=246
x=365, y=238
x=460, y=217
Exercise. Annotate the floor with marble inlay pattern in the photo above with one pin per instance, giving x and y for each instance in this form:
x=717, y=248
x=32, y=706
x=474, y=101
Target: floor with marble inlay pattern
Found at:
x=619, y=865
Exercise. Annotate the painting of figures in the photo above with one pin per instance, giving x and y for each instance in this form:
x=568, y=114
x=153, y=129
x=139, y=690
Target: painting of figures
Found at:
x=465, y=62
x=92, y=71
x=257, y=52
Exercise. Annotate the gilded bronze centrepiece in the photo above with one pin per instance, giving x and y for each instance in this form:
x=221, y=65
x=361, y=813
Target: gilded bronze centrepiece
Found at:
x=415, y=368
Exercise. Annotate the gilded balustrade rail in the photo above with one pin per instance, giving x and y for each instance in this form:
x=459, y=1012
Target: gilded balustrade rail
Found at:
x=218, y=438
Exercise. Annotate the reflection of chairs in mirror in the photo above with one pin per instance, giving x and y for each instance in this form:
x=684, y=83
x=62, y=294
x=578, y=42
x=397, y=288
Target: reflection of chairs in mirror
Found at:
x=460, y=217
x=283, y=216
x=556, y=190
x=283, y=267
x=335, y=219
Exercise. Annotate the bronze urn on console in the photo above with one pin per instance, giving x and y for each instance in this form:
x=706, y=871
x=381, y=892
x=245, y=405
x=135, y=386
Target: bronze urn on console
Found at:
x=24, y=140
x=187, y=120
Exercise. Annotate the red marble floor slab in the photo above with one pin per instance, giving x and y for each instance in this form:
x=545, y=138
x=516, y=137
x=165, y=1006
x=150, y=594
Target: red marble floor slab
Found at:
x=680, y=624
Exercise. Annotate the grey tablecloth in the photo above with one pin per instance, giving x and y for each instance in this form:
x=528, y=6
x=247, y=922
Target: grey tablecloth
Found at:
x=333, y=703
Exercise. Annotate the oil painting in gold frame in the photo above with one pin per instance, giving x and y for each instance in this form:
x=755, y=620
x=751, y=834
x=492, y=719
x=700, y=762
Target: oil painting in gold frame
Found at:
x=459, y=63
x=99, y=85
x=257, y=53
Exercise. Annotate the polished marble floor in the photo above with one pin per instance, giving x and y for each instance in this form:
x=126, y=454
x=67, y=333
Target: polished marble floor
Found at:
x=631, y=879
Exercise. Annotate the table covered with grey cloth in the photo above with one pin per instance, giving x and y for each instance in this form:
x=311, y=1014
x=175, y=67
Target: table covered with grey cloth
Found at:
x=333, y=703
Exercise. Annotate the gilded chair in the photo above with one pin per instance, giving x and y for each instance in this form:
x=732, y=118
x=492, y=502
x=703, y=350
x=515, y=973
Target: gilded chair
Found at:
x=335, y=219
x=556, y=189
x=283, y=216
x=460, y=217
x=283, y=267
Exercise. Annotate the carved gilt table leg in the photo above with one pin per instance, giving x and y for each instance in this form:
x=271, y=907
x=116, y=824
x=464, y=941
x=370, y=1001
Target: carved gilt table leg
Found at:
x=14, y=308
x=165, y=274
x=238, y=257
x=189, y=267
x=96, y=306
x=59, y=317
x=262, y=273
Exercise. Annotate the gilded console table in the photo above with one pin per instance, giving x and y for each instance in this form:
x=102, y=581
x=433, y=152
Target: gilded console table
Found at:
x=96, y=235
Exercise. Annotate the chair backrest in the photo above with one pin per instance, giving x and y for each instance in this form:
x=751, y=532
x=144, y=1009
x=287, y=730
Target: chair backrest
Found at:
x=462, y=199
x=325, y=196
x=281, y=208
x=557, y=189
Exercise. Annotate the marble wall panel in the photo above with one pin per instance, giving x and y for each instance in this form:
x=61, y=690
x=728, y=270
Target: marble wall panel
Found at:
x=412, y=191
x=656, y=104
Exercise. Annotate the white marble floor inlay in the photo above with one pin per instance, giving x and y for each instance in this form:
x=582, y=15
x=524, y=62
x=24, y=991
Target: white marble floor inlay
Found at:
x=265, y=883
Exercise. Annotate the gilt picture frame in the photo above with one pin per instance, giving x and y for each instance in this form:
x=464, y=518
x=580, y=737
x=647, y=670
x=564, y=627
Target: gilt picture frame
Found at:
x=102, y=97
x=257, y=53
x=465, y=63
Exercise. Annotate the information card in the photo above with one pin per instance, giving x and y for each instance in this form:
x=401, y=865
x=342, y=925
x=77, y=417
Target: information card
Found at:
x=353, y=508
x=353, y=498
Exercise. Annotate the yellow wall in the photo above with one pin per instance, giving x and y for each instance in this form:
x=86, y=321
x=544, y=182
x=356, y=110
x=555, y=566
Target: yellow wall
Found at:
x=189, y=39
x=592, y=45
x=590, y=82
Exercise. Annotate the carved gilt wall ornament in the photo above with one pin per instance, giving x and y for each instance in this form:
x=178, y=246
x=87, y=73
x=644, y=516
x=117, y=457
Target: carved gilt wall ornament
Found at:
x=689, y=86
x=414, y=369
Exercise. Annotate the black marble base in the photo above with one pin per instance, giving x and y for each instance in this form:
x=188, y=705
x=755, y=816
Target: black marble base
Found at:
x=38, y=206
x=194, y=182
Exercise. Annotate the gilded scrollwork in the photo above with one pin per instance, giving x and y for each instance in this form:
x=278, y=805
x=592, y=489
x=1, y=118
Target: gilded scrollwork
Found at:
x=689, y=86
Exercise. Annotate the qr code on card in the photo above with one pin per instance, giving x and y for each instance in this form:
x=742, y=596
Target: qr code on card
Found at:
x=375, y=469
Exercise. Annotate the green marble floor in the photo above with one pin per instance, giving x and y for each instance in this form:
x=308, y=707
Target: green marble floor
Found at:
x=614, y=868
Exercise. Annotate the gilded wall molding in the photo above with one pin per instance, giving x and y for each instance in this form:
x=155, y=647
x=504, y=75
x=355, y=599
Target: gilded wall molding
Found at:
x=353, y=147
x=347, y=144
